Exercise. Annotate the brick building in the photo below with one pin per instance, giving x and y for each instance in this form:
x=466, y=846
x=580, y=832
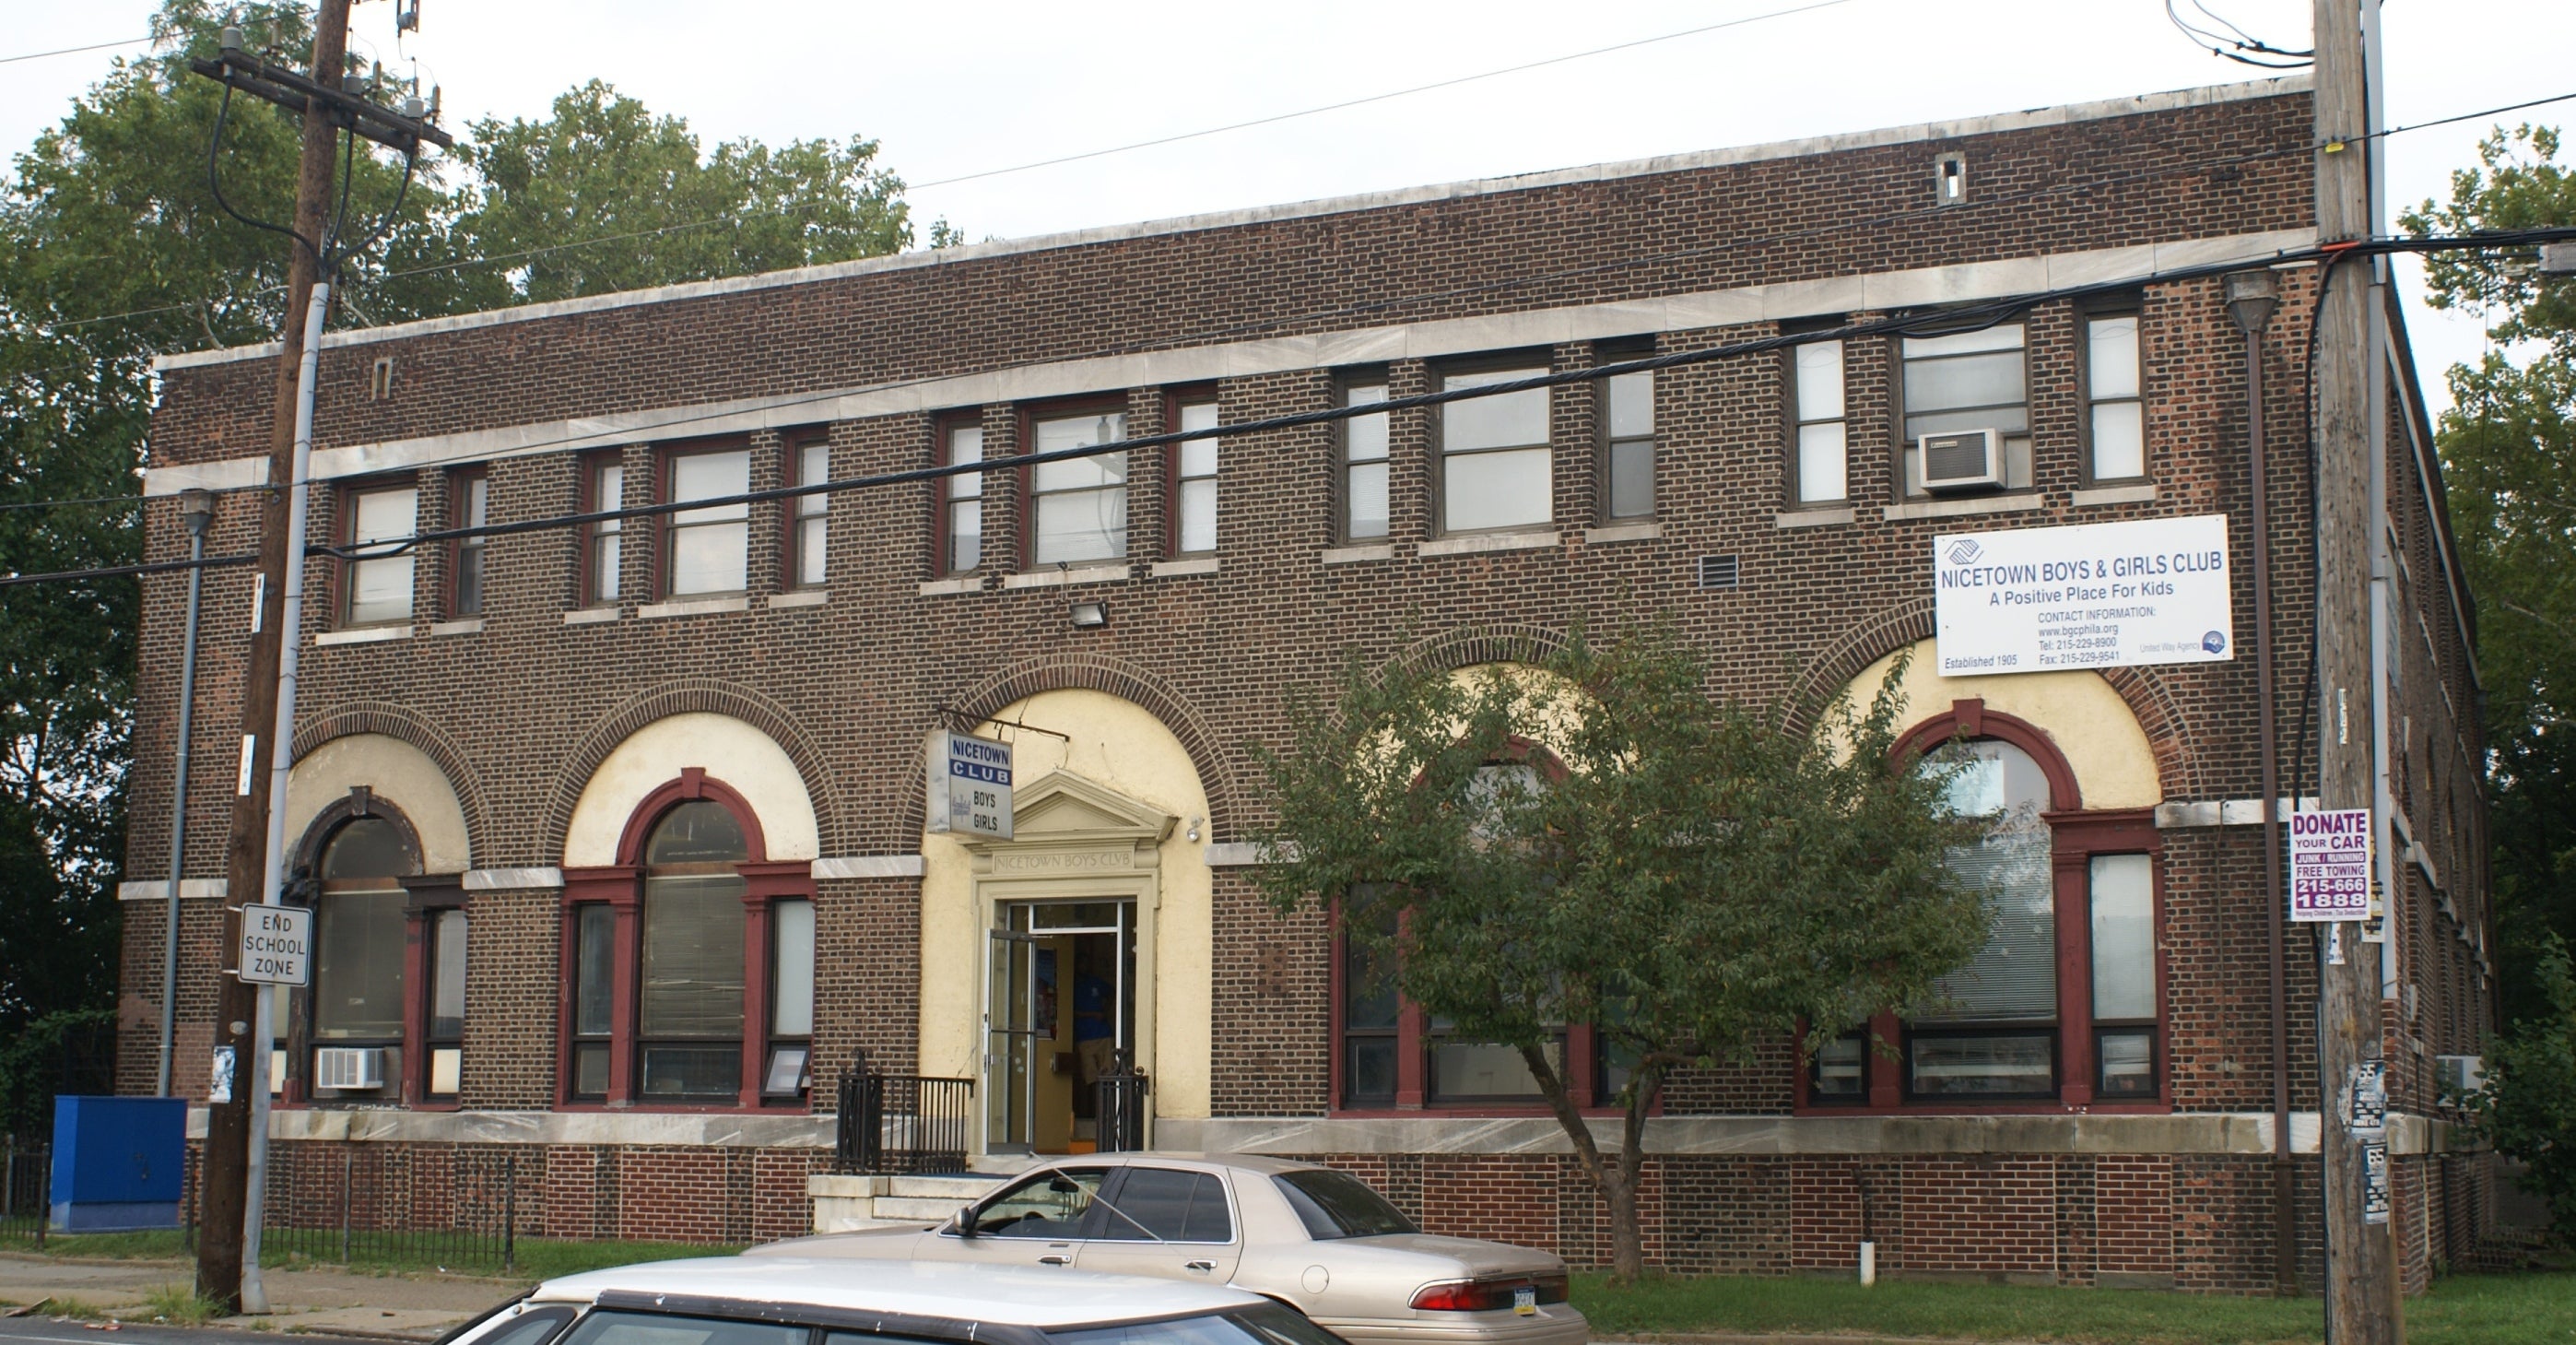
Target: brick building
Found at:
x=618, y=831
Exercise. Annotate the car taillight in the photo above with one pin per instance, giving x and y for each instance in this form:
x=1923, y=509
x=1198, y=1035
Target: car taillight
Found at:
x=1486, y=1295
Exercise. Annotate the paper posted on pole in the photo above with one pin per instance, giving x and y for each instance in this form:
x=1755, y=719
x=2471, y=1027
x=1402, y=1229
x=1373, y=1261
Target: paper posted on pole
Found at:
x=2330, y=865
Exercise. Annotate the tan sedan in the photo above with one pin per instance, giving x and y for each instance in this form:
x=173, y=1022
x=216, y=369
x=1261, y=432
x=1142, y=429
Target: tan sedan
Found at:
x=1313, y=1238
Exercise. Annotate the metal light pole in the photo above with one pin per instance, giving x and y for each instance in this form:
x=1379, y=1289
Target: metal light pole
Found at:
x=197, y=509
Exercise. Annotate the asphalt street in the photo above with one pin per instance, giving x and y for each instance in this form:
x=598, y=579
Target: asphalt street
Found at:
x=20, y=1330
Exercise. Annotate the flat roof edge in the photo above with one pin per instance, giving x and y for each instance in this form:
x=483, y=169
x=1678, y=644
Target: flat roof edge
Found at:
x=1957, y=128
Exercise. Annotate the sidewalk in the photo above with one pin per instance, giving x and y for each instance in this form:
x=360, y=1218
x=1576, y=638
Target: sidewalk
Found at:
x=323, y=1301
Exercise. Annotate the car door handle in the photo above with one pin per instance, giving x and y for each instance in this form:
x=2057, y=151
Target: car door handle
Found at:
x=1200, y=1265
x=1055, y=1260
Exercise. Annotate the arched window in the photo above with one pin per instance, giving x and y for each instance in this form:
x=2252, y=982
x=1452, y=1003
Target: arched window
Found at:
x=689, y=966
x=1996, y=1036
x=358, y=981
x=384, y=1019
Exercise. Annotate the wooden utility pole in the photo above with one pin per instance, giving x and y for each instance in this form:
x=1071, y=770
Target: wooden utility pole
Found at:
x=2360, y=1283
x=224, y=1179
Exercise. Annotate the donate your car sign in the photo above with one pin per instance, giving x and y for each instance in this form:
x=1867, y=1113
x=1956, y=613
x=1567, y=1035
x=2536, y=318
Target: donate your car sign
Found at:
x=2095, y=595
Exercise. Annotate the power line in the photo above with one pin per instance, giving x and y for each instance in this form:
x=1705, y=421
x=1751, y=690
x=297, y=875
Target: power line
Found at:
x=1947, y=321
x=68, y=51
x=2221, y=44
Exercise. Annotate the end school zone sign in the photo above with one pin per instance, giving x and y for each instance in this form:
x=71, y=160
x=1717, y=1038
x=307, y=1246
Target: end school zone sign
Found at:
x=2094, y=595
x=276, y=945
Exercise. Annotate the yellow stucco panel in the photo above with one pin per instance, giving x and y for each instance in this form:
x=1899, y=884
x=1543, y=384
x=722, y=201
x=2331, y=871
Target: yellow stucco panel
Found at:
x=392, y=770
x=2114, y=765
x=728, y=750
x=1120, y=747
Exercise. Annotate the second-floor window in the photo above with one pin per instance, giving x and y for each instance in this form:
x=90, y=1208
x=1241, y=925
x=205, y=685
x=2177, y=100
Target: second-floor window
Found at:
x=2115, y=415
x=710, y=548
x=1968, y=381
x=471, y=494
x=1495, y=467
x=1194, y=482
x=962, y=496
x=1629, y=455
x=1820, y=462
x=810, y=519
x=603, y=488
x=378, y=582
x=1079, y=505
x=1364, y=464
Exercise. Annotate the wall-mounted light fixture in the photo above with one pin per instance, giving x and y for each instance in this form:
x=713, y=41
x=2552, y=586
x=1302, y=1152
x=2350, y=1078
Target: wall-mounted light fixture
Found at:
x=1090, y=615
x=1194, y=827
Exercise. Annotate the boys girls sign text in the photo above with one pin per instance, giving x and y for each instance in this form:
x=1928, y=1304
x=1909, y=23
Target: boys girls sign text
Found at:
x=2095, y=595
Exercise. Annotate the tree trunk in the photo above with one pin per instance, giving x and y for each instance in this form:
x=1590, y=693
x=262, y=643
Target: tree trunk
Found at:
x=1627, y=1237
x=1616, y=1180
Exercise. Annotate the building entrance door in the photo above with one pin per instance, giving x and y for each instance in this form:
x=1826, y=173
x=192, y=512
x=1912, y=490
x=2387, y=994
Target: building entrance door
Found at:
x=1060, y=997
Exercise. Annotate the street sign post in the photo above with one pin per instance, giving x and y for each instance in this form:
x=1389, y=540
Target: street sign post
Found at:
x=276, y=945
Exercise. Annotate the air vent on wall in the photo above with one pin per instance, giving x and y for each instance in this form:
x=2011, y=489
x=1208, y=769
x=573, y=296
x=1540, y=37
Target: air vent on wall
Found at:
x=1717, y=572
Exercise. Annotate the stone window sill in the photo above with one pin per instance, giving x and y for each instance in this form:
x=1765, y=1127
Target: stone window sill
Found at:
x=1623, y=532
x=1813, y=518
x=1477, y=542
x=472, y=625
x=962, y=583
x=1187, y=565
x=362, y=635
x=803, y=597
x=1085, y=574
x=588, y=616
x=1982, y=504
x=1354, y=555
x=2138, y=492
x=653, y=611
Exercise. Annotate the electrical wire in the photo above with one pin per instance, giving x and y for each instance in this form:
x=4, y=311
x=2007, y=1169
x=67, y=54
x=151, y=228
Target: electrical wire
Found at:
x=69, y=51
x=1937, y=322
x=2222, y=44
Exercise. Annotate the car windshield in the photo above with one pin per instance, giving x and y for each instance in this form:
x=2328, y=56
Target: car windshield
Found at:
x=653, y=1328
x=1339, y=1205
x=1268, y=1324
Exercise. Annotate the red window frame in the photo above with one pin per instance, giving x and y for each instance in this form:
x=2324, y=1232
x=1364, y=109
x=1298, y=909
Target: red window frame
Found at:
x=793, y=518
x=620, y=888
x=942, y=502
x=666, y=465
x=1025, y=553
x=460, y=488
x=1173, y=401
x=588, y=501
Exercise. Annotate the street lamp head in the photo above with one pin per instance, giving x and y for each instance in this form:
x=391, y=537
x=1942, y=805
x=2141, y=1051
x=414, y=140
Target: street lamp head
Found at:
x=2251, y=296
x=197, y=508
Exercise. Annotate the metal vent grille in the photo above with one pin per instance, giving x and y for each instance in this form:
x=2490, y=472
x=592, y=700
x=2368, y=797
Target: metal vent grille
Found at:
x=1717, y=572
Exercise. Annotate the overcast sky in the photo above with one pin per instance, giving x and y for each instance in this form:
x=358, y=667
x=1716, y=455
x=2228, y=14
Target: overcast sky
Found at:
x=951, y=90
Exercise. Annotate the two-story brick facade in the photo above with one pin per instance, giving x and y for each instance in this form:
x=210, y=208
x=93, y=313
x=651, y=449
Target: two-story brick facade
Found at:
x=619, y=829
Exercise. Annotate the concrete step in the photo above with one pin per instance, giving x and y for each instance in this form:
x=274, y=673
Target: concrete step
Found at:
x=917, y=1209
x=849, y=1224
x=960, y=1187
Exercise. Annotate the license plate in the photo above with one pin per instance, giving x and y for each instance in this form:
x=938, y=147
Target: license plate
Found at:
x=1525, y=1300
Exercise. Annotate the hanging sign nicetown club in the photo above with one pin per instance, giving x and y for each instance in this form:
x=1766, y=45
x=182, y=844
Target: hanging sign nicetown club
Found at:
x=2094, y=595
x=970, y=786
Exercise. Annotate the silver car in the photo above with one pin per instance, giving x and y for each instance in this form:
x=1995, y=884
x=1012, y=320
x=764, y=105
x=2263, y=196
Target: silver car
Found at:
x=1318, y=1240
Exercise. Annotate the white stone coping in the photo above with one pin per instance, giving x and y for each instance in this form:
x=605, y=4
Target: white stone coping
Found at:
x=2228, y=812
x=2202, y=96
x=2247, y=1133
x=799, y=597
x=1234, y=855
x=654, y=611
x=1476, y=542
x=1186, y=565
x=190, y=889
x=363, y=635
x=868, y=866
x=1353, y=555
x=1982, y=504
x=1623, y=532
x=589, y=616
x=472, y=625
x=1070, y=574
x=2143, y=492
x=1955, y=283
x=506, y=880
x=1812, y=518
x=386, y=1125
x=963, y=583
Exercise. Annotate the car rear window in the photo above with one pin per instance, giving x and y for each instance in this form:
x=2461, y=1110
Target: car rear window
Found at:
x=1338, y=1205
x=1268, y=1324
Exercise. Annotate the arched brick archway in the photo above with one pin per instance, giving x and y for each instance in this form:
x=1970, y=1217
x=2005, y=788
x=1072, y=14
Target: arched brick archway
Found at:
x=1128, y=682
x=2147, y=692
x=694, y=695
x=405, y=725
x=1471, y=646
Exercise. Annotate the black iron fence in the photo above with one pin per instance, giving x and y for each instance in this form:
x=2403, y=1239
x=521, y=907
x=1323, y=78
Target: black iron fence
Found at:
x=901, y=1123
x=354, y=1204
x=1121, y=1106
x=26, y=1190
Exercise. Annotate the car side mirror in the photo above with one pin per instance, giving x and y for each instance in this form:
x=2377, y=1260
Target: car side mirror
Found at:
x=965, y=1221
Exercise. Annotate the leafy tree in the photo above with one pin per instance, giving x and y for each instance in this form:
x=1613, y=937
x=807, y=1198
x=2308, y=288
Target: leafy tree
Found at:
x=2528, y=1108
x=2509, y=455
x=1600, y=841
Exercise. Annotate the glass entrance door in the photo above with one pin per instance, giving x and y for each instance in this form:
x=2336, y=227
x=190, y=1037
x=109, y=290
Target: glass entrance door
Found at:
x=1061, y=1008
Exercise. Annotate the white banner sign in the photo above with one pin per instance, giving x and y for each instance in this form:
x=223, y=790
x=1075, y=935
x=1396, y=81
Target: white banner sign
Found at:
x=2095, y=595
x=276, y=945
x=970, y=785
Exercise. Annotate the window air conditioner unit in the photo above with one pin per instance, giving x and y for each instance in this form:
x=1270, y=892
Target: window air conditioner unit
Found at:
x=349, y=1067
x=2460, y=1075
x=1961, y=460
